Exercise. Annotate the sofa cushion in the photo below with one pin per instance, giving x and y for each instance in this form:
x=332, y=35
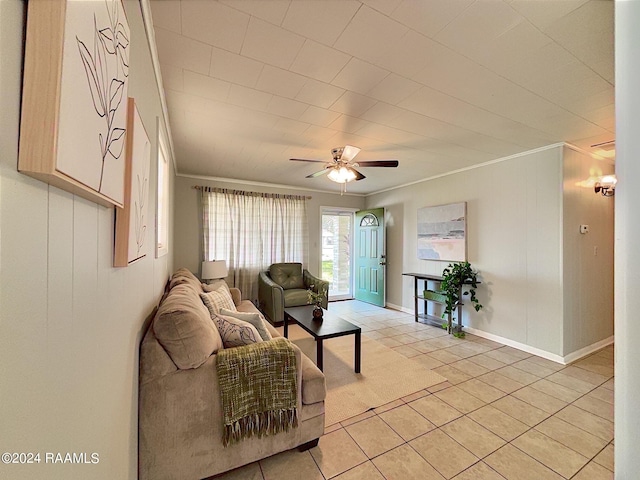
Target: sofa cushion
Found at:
x=287, y=275
x=272, y=330
x=184, y=276
x=183, y=327
x=311, y=410
x=296, y=297
x=234, y=332
x=216, y=300
x=314, y=387
x=255, y=319
x=247, y=307
x=236, y=295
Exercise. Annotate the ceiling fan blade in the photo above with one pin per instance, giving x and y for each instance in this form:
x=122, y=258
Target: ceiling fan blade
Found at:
x=318, y=174
x=378, y=163
x=359, y=176
x=349, y=152
x=307, y=160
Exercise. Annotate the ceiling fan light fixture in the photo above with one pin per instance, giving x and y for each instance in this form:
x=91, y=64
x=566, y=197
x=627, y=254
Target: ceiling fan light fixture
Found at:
x=348, y=153
x=341, y=175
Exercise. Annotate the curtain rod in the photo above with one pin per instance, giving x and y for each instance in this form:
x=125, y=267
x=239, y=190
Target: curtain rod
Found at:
x=202, y=188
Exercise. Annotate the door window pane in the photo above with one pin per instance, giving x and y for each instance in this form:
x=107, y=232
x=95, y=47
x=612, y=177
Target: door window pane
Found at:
x=336, y=253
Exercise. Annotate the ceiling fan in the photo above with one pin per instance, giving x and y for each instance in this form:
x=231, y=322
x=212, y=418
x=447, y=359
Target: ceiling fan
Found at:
x=342, y=169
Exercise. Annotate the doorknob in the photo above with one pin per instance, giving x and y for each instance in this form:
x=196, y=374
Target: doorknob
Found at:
x=382, y=261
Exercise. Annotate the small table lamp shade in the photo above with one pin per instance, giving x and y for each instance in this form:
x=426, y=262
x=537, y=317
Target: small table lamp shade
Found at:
x=214, y=270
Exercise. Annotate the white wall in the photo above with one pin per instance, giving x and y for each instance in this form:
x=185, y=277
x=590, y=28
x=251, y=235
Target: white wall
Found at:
x=515, y=240
x=505, y=203
x=627, y=257
x=587, y=258
x=70, y=324
x=188, y=227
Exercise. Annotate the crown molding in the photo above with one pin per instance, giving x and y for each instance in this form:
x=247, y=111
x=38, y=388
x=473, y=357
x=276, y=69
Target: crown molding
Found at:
x=145, y=8
x=590, y=154
x=473, y=167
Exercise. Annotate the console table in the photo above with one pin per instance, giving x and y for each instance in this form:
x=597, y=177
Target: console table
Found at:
x=418, y=296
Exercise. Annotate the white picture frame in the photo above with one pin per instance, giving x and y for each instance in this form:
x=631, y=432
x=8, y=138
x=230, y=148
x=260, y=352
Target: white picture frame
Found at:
x=162, y=199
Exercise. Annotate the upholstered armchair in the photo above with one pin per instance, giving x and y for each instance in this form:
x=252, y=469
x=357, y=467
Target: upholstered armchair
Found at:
x=286, y=285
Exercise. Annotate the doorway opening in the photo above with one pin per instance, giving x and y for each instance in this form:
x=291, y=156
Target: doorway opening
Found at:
x=336, y=256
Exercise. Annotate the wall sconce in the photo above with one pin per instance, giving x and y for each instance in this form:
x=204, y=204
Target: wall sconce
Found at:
x=606, y=186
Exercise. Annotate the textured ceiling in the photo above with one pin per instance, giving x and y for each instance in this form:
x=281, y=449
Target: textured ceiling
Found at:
x=437, y=84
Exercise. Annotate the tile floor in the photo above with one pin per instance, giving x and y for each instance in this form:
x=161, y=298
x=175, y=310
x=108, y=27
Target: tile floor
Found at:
x=502, y=414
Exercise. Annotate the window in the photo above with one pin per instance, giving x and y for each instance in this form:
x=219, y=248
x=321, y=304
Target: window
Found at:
x=251, y=230
x=337, y=242
x=369, y=221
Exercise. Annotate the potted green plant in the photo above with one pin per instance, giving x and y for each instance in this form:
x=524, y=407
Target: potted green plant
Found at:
x=316, y=299
x=458, y=280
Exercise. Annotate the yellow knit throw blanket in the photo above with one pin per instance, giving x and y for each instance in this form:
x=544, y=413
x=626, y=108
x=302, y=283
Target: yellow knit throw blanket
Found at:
x=258, y=388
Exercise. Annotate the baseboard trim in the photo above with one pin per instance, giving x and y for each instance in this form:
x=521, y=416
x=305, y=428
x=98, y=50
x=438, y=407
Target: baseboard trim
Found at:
x=588, y=350
x=563, y=360
x=520, y=346
x=399, y=308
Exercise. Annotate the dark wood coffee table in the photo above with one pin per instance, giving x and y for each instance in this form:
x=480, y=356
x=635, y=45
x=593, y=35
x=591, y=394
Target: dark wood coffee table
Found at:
x=331, y=326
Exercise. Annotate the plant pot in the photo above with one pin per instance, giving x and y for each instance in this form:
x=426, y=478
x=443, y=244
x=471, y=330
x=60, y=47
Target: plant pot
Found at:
x=317, y=312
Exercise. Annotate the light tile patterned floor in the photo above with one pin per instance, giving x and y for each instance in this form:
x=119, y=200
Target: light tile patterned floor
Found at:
x=502, y=414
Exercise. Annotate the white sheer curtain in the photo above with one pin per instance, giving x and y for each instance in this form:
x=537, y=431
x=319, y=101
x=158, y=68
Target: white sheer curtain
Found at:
x=251, y=231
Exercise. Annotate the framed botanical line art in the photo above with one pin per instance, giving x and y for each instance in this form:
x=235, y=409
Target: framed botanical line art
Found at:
x=133, y=218
x=74, y=107
x=442, y=232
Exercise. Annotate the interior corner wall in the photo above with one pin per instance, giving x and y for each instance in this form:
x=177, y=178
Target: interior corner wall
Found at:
x=588, y=257
x=514, y=231
x=70, y=323
x=188, y=228
x=627, y=239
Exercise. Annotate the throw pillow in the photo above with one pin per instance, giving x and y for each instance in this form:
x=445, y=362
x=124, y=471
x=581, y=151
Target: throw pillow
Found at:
x=215, y=285
x=255, y=319
x=217, y=300
x=234, y=332
x=236, y=296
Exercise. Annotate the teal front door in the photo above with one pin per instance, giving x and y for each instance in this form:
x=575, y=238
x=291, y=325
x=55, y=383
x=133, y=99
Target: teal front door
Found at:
x=370, y=256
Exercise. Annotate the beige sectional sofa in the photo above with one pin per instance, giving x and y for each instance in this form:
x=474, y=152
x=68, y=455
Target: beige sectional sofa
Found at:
x=180, y=419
